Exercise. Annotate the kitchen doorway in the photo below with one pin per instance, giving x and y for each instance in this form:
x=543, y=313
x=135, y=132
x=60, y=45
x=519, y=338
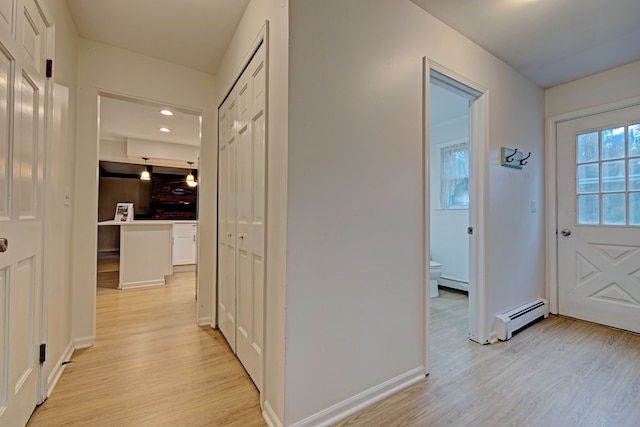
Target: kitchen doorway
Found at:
x=148, y=162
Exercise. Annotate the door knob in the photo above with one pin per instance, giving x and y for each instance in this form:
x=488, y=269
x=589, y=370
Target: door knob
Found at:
x=566, y=232
x=4, y=244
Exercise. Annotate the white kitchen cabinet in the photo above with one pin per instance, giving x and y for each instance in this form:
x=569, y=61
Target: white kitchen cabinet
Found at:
x=184, y=243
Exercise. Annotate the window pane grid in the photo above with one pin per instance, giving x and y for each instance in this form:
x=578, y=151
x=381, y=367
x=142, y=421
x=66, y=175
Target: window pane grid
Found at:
x=608, y=176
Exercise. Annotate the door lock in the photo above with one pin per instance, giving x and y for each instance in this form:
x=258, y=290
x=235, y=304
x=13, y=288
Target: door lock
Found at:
x=469, y=230
x=4, y=244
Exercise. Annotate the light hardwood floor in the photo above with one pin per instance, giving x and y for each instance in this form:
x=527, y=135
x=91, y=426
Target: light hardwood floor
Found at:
x=151, y=365
x=558, y=372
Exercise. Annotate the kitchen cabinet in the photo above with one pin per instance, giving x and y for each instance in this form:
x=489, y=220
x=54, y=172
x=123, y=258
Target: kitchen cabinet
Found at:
x=184, y=243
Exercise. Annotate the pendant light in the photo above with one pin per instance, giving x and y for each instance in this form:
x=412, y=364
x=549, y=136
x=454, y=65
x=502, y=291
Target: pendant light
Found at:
x=145, y=175
x=191, y=181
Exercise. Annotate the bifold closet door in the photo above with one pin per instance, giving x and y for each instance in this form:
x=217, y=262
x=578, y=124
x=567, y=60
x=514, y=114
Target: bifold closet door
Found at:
x=242, y=217
x=227, y=221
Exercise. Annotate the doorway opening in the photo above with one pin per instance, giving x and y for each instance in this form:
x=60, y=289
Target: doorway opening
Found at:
x=147, y=209
x=454, y=193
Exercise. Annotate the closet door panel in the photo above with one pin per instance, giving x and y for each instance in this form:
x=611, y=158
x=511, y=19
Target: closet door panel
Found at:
x=241, y=217
x=227, y=222
x=251, y=210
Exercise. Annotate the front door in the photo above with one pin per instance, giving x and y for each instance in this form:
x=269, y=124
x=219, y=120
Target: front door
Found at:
x=599, y=218
x=22, y=69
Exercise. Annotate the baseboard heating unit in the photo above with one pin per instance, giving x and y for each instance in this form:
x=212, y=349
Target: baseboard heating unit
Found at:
x=516, y=319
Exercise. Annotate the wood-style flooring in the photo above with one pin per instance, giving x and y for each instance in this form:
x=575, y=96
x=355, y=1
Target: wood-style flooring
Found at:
x=108, y=270
x=558, y=372
x=151, y=365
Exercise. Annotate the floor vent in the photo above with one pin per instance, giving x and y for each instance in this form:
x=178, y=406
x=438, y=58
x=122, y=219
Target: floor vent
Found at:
x=516, y=319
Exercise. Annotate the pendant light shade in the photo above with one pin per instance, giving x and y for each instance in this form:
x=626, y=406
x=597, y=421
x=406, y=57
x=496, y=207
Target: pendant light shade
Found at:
x=145, y=175
x=190, y=179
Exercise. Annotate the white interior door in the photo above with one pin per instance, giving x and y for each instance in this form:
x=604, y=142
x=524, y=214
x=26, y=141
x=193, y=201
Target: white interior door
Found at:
x=598, y=176
x=241, y=216
x=22, y=67
x=227, y=221
x=250, y=216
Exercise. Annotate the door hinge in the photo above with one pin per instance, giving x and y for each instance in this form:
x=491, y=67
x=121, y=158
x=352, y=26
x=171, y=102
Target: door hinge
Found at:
x=49, y=68
x=43, y=353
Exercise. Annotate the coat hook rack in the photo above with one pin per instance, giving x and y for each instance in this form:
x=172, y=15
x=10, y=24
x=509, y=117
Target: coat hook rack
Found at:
x=512, y=158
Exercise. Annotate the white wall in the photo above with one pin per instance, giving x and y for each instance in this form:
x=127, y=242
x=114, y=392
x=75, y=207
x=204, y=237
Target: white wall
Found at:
x=599, y=89
x=253, y=20
x=59, y=182
x=355, y=265
x=113, y=70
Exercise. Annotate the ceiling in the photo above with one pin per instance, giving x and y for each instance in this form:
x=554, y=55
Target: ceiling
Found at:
x=122, y=118
x=549, y=41
x=193, y=33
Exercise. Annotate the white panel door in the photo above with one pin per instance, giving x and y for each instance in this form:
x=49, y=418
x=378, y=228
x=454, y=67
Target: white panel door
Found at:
x=227, y=221
x=21, y=224
x=599, y=218
x=250, y=216
x=241, y=216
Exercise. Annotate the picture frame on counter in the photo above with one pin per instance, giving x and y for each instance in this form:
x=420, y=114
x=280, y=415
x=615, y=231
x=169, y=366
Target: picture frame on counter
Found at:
x=124, y=212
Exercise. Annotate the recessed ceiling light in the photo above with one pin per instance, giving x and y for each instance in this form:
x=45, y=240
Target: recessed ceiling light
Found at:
x=165, y=130
x=166, y=112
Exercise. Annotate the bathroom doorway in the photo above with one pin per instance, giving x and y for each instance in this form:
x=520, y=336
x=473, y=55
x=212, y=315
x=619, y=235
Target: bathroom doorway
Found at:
x=454, y=167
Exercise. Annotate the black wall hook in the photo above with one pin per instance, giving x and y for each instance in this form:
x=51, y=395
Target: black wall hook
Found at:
x=509, y=159
x=522, y=161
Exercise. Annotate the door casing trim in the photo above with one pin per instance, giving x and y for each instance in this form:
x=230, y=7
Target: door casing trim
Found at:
x=551, y=190
x=479, y=133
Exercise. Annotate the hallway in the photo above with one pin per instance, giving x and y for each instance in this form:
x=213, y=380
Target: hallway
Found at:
x=152, y=366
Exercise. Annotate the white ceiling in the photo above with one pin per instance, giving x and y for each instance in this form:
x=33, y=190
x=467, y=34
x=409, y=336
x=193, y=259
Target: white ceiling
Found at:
x=193, y=33
x=549, y=41
x=120, y=119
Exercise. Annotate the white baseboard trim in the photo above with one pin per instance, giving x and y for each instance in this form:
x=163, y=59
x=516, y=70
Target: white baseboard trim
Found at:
x=270, y=416
x=453, y=283
x=350, y=406
x=205, y=321
x=54, y=376
x=143, y=284
x=83, y=342
x=184, y=268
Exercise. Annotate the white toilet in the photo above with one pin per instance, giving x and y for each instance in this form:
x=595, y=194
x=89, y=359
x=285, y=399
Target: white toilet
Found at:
x=435, y=271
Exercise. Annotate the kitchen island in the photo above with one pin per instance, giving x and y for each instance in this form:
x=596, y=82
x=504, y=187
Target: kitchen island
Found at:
x=145, y=252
